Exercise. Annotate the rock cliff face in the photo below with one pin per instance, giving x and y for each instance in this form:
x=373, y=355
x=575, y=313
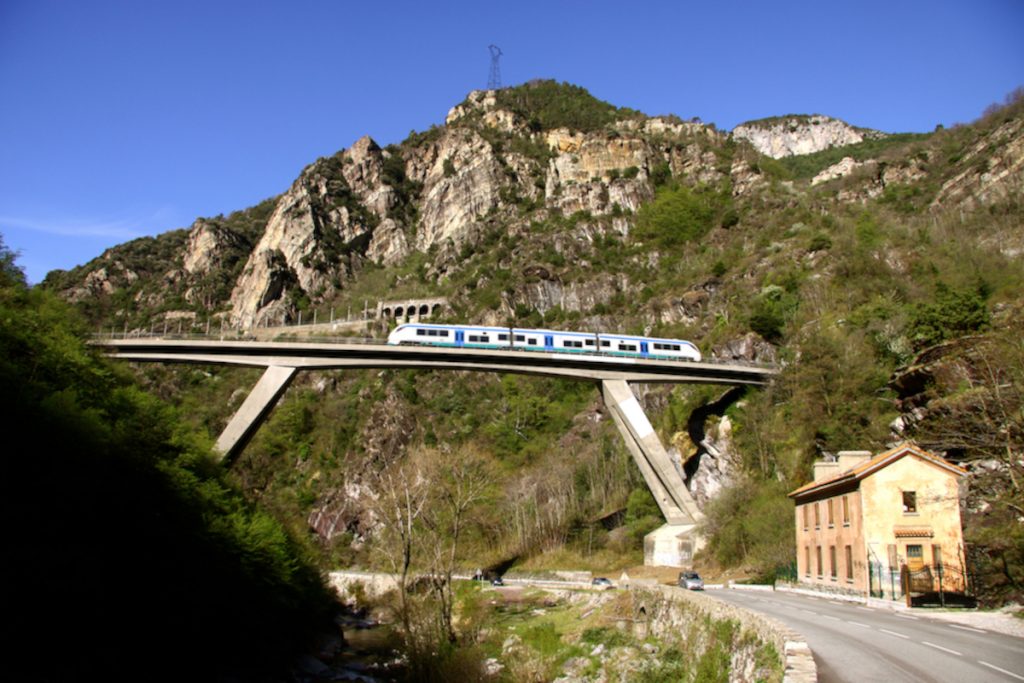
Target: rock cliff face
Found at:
x=790, y=135
x=995, y=170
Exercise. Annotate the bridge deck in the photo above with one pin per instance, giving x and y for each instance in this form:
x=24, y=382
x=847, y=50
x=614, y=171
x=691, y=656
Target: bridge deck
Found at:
x=356, y=354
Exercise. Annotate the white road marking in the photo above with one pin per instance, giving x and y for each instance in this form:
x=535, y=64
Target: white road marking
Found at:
x=944, y=649
x=893, y=633
x=857, y=623
x=867, y=609
x=1001, y=670
x=826, y=616
x=809, y=611
x=967, y=628
x=906, y=616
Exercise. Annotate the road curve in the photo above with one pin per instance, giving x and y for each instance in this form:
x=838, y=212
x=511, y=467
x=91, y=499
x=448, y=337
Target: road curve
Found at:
x=857, y=643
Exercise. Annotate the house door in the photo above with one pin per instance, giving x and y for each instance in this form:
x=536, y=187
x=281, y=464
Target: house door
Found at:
x=915, y=558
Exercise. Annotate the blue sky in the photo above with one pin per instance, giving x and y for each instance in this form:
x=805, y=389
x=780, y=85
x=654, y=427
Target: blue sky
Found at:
x=123, y=119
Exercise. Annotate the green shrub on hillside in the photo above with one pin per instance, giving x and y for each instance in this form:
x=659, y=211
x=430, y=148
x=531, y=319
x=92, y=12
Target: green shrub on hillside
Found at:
x=547, y=104
x=680, y=214
x=953, y=313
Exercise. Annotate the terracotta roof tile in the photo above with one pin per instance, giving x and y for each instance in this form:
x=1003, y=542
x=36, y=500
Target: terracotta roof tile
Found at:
x=866, y=468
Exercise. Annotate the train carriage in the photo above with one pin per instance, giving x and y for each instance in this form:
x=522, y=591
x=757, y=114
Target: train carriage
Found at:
x=526, y=339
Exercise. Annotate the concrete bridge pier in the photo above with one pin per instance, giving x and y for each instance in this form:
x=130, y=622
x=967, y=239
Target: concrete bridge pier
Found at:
x=674, y=544
x=254, y=410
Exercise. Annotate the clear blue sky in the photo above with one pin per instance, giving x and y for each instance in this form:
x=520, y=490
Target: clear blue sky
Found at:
x=122, y=119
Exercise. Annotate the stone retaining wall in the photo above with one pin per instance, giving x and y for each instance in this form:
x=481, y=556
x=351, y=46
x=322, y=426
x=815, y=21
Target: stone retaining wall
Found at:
x=669, y=610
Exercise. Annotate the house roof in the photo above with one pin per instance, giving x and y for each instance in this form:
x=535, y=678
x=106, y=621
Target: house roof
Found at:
x=869, y=467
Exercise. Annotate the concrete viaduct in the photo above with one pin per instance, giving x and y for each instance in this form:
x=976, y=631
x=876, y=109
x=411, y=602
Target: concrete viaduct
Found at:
x=671, y=545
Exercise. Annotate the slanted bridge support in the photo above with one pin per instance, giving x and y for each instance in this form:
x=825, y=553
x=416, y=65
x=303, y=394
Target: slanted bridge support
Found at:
x=674, y=543
x=254, y=410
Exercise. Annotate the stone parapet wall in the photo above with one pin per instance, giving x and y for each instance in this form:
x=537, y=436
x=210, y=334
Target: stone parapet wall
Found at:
x=670, y=610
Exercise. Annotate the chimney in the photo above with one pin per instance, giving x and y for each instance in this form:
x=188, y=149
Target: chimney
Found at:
x=850, y=459
x=825, y=469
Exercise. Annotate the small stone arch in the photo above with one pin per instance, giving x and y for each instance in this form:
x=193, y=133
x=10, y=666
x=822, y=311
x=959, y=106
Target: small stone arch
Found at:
x=387, y=312
x=399, y=311
x=435, y=309
x=424, y=310
x=640, y=623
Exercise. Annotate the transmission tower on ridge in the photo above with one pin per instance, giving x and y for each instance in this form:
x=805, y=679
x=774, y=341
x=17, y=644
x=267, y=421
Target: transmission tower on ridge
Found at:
x=494, y=80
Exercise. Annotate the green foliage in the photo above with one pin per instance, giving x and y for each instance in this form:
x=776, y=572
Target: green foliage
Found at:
x=547, y=105
x=169, y=561
x=820, y=242
x=751, y=525
x=680, y=214
x=953, y=313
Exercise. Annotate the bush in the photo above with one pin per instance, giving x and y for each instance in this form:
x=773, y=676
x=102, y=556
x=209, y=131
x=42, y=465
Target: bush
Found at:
x=679, y=214
x=954, y=312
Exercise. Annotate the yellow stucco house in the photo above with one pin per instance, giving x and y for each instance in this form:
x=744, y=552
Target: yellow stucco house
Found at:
x=864, y=518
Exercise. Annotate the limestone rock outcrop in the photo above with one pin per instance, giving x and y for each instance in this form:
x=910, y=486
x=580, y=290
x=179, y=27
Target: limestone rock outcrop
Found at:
x=461, y=178
x=315, y=229
x=792, y=135
x=208, y=246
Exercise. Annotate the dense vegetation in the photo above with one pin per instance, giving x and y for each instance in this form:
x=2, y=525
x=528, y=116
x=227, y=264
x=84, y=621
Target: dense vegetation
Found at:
x=129, y=556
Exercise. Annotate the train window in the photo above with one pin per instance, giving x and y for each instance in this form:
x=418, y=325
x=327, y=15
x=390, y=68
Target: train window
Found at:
x=533, y=341
x=520, y=337
x=589, y=342
x=605, y=343
x=502, y=337
x=569, y=343
x=677, y=347
x=627, y=347
x=474, y=338
x=443, y=333
x=420, y=332
x=485, y=339
x=658, y=347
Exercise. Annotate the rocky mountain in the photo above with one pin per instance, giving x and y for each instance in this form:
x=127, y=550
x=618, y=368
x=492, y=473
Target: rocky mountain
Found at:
x=837, y=252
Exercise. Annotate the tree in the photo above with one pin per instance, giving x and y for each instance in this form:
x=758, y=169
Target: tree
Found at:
x=402, y=493
x=461, y=481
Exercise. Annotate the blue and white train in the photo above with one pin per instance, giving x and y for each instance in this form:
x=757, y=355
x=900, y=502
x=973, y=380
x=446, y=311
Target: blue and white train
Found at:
x=476, y=337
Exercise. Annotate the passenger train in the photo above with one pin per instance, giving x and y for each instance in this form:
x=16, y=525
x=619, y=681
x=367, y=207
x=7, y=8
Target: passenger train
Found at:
x=476, y=337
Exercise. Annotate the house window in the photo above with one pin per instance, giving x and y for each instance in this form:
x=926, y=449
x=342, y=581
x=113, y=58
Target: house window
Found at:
x=806, y=515
x=832, y=561
x=846, y=511
x=849, y=563
x=807, y=560
x=817, y=516
x=817, y=552
x=831, y=513
x=909, y=502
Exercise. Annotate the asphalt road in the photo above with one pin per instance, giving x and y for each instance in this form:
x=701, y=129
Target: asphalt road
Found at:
x=857, y=643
